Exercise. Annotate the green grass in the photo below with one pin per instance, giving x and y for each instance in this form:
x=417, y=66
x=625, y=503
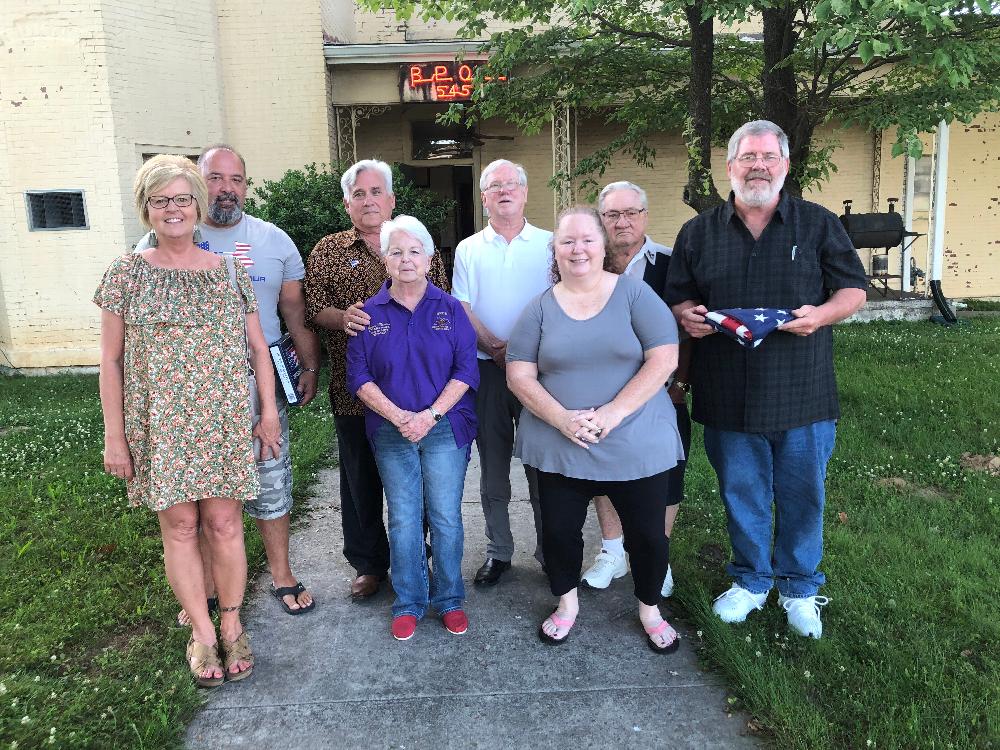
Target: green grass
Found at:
x=87, y=654
x=909, y=656
x=982, y=305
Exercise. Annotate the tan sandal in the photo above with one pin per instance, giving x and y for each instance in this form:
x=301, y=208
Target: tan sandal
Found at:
x=201, y=657
x=237, y=651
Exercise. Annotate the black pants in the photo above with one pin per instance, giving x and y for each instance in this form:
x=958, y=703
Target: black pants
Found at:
x=366, y=545
x=675, y=484
x=641, y=505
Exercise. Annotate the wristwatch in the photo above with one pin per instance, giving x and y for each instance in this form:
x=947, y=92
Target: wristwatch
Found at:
x=435, y=413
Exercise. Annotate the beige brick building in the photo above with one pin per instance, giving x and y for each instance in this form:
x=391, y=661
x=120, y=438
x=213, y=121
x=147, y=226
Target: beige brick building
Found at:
x=88, y=89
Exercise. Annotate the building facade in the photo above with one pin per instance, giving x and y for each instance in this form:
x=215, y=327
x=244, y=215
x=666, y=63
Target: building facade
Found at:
x=90, y=89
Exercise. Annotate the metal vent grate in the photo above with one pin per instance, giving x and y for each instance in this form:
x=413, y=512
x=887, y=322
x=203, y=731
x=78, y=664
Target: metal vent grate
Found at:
x=56, y=209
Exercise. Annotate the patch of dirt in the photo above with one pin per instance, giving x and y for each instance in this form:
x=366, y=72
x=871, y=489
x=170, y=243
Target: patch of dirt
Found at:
x=121, y=641
x=975, y=462
x=712, y=554
x=924, y=493
x=4, y=431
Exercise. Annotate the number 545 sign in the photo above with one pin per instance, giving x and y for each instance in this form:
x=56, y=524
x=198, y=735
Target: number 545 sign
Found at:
x=440, y=82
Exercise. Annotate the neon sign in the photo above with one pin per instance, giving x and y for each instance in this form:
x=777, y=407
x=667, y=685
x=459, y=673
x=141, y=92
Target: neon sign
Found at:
x=441, y=82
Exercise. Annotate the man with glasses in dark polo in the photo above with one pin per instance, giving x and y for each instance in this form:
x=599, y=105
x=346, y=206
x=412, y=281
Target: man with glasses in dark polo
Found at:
x=770, y=411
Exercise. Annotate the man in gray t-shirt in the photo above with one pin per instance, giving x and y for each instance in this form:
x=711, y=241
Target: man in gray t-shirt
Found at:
x=276, y=270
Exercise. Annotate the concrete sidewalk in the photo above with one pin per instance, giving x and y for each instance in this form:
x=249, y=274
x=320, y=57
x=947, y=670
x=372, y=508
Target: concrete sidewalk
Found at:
x=335, y=678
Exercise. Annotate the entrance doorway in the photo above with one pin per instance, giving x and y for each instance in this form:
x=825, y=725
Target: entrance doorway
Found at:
x=455, y=183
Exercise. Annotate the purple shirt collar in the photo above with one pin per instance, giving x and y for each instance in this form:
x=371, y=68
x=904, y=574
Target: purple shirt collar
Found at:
x=382, y=296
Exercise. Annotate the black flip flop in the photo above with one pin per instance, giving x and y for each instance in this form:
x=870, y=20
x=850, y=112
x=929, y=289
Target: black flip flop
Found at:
x=298, y=588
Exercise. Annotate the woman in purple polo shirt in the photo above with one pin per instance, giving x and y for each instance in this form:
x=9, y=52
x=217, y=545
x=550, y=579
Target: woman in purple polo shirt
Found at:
x=415, y=369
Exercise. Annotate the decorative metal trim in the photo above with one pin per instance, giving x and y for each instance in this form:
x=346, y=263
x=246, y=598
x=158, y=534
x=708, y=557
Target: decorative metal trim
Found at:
x=344, y=138
x=563, y=144
x=876, y=170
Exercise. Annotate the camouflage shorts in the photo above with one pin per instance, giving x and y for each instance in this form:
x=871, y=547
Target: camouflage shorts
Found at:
x=275, y=499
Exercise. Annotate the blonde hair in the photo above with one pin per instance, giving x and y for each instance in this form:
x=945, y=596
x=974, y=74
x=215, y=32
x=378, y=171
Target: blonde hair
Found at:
x=159, y=172
x=554, y=276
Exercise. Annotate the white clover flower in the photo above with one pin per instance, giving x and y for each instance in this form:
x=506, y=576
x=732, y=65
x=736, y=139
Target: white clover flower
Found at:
x=25, y=719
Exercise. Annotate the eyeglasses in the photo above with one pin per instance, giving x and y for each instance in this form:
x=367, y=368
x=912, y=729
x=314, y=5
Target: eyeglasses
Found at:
x=629, y=213
x=748, y=160
x=162, y=201
x=496, y=187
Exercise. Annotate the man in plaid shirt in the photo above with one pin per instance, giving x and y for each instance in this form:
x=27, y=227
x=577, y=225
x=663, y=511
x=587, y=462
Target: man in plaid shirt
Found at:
x=769, y=412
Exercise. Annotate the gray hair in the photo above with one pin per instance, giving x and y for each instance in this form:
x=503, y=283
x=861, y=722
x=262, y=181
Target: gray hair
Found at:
x=203, y=156
x=493, y=166
x=351, y=175
x=757, y=127
x=412, y=226
x=622, y=185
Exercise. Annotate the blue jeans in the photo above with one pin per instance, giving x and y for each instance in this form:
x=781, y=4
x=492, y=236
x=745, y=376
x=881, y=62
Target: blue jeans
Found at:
x=787, y=469
x=428, y=476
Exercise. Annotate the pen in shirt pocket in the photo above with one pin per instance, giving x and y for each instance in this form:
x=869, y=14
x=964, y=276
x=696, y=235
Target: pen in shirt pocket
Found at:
x=794, y=248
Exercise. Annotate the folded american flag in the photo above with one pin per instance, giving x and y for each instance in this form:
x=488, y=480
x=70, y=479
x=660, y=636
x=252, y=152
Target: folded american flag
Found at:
x=747, y=326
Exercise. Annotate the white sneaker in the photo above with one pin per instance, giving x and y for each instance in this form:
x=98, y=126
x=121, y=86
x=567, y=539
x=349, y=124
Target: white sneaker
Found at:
x=668, y=584
x=734, y=605
x=605, y=568
x=803, y=614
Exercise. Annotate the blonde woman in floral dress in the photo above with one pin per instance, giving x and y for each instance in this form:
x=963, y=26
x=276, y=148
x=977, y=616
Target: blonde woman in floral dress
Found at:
x=177, y=424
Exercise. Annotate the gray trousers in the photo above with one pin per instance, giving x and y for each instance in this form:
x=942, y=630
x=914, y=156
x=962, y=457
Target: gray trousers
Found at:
x=498, y=411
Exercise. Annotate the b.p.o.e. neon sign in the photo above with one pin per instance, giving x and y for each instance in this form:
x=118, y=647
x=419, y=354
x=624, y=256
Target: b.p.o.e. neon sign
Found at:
x=441, y=82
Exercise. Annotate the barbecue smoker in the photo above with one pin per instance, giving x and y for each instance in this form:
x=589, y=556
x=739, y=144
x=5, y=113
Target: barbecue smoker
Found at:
x=881, y=233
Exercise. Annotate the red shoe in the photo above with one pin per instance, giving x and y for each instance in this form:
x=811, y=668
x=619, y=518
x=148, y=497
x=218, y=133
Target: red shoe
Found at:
x=403, y=627
x=455, y=621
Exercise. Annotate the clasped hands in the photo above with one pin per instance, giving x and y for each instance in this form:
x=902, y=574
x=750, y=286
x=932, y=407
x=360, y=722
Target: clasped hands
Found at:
x=586, y=427
x=414, y=425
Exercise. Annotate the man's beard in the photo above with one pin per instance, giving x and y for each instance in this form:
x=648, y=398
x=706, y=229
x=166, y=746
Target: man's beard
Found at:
x=755, y=197
x=225, y=217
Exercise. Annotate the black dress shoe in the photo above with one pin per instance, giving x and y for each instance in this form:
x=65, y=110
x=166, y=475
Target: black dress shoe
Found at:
x=490, y=573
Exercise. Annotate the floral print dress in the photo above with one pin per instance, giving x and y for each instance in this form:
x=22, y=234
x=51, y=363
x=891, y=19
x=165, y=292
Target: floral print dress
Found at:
x=187, y=417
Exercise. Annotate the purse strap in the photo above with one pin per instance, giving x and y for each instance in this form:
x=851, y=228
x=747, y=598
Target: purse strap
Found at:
x=231, y=267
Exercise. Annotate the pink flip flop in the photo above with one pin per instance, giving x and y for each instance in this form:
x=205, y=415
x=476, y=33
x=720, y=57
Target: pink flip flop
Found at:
x=559, y=623
x=660, y=629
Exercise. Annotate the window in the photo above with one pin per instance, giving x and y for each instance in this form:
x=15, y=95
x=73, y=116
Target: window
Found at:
x=434, y=141
x=56, y=209
x=923, y=181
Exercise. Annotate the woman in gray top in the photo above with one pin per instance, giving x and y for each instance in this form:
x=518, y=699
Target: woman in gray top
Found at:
x=588, y=358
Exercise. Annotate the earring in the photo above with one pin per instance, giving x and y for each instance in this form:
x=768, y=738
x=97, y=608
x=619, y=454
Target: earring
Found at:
x=198, y=239
x=153, y=241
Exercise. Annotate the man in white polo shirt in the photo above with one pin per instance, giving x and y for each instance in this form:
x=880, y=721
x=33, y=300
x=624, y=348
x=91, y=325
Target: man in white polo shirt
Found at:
x=497, y=271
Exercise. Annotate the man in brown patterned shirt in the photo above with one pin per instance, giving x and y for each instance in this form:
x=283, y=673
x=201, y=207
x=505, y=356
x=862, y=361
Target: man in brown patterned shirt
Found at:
x=343, y=270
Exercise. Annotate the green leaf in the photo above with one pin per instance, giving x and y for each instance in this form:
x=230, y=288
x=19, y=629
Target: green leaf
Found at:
x=841, y=7
x=866, y=52
x=824, y=9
